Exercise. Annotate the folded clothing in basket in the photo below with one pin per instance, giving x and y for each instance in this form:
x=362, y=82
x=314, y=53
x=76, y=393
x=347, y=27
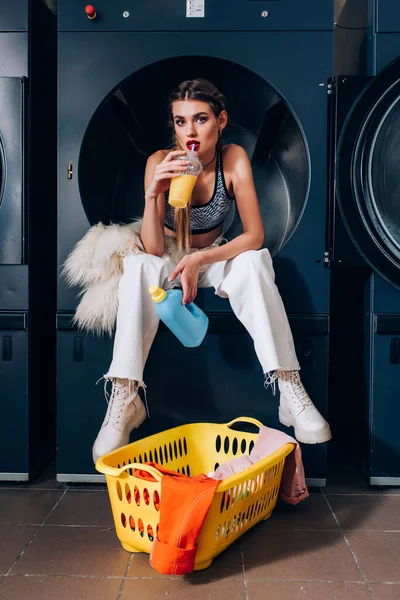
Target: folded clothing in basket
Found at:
x=184, y=507
x=293, y=487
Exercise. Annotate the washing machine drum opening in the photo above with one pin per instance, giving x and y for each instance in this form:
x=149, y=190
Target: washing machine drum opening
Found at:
x=132, y=123
x=369, y=175
x=383, y=178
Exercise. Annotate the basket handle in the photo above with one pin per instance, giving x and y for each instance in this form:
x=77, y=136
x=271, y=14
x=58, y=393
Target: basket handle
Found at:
x=100, y=466
x=245, y=420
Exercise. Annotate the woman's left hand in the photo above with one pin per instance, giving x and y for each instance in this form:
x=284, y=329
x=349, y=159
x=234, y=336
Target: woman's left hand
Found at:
x=189, y=267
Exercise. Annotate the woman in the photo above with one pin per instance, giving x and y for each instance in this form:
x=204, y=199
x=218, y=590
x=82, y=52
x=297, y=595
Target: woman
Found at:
x=238, y=270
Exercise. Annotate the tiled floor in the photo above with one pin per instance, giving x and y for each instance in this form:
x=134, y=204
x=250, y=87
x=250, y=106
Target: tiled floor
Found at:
x=58, y=542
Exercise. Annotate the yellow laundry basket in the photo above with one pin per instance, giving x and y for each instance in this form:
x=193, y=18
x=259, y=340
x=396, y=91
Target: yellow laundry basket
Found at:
x=240, y=502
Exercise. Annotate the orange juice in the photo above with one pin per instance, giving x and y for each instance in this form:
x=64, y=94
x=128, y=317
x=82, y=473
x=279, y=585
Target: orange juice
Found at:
x=181, y=189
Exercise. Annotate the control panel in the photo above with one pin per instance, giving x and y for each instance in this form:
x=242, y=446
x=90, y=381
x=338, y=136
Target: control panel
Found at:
x=196, y=15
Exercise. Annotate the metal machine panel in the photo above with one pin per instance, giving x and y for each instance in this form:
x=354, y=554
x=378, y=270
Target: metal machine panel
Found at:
x=387, y=16
x=12, y=166
x=13, y=67
x=14, y=15
x=224, y=15
x=13, y=54
x=387, y=49
x=385, y=410
x=14, y=430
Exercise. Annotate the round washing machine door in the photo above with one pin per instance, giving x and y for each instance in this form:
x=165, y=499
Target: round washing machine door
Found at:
x=132, y=122
x=368, y=174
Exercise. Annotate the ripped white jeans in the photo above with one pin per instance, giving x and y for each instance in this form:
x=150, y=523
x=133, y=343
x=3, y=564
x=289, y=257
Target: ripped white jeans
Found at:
x=247, y=280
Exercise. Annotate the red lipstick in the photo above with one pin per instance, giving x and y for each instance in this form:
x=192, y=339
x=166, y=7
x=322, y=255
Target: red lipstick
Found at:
x=191, y=143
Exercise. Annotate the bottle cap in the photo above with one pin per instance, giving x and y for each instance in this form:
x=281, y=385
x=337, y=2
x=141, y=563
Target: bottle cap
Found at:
x=157, y=293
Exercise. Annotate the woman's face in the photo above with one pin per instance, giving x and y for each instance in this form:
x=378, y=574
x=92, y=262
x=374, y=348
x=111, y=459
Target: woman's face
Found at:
x=196, y=124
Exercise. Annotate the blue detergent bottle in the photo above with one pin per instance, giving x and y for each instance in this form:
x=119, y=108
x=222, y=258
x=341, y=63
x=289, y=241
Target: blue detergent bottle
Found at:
x=188, y=322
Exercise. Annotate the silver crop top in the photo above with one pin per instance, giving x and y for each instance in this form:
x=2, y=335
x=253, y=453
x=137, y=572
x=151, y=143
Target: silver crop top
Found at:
x=209, y=216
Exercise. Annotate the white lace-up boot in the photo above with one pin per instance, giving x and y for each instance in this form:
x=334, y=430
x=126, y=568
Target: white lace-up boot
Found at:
x=297, y=410
x=125, y=412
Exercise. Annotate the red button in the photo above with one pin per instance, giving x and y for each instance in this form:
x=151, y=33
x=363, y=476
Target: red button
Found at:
x=90, y=11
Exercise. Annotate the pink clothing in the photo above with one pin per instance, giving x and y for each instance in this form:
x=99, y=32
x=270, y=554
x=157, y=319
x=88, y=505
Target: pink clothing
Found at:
x=233, y=466
x=293, y=487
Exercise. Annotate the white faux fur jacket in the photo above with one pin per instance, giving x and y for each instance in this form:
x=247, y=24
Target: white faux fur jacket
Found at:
x=96, y=264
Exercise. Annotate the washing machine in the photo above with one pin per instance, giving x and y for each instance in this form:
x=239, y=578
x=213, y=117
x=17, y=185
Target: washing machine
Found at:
x=28, y=65
x=366, y=178
x=118, y=63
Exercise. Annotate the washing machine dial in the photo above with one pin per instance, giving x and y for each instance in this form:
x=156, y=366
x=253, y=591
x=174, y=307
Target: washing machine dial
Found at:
x=90, y=12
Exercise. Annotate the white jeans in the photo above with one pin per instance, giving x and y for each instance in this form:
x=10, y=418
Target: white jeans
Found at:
x=247, y=280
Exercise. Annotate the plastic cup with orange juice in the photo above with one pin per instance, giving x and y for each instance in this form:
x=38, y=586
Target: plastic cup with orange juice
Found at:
x=181, y=187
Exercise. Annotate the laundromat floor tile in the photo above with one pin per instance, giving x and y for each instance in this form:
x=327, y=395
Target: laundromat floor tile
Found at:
x=386, y=591
x=226, y=566
x=377, y=553
x=27, y=507
x=380, y=512
x=314, y=513
x=299, y=556
x=75, y=551
x=301, y=590
x=83, y=508
x=183, y=589
x=39, y=587
x=13, y=540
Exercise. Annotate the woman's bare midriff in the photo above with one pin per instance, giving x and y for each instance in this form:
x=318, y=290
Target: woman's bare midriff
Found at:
x=202, y=240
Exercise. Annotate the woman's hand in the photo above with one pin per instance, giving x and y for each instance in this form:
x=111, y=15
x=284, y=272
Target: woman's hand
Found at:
x=189, y=267
x=167, y=169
